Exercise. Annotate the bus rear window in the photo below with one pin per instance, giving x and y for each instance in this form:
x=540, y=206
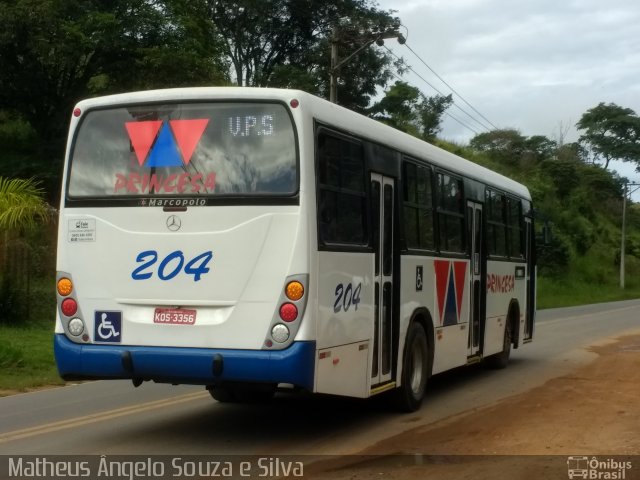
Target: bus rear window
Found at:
x=213, y=149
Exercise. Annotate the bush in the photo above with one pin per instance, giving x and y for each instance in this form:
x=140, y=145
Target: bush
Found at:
x=582, y=233
x=15, y=134
x=554, y=259
x=12, y=303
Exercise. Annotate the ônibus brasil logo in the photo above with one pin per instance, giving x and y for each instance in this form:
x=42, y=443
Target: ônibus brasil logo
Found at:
x=165, y=144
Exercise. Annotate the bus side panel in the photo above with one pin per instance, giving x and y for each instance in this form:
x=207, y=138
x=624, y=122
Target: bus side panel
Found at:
x=448, y=280
x=425, y=286
x=344, y=323
x=341, y=370
x=503, y=286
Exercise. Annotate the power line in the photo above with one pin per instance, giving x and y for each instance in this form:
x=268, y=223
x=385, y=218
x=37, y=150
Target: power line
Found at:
x=450, y=87
x=446, y=113
x=436, y=89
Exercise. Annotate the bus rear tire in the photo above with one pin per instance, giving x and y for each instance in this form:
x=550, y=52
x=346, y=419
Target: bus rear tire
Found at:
x=222, y=393
x=415, y=370
x=501, y=360
x=258, y=393
x=242, y=393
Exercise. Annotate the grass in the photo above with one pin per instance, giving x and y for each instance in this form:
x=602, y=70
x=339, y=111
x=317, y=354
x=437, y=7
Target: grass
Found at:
x=26, y=357
x=26, y=349
x=593, y=278
x=566, y=293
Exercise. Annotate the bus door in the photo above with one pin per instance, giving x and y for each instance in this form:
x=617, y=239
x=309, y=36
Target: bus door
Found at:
x=476, y=320
x=530, y=279
x=382, y=197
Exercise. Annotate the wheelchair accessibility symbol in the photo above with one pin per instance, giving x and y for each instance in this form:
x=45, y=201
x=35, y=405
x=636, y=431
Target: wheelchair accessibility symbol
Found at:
x=108, y=326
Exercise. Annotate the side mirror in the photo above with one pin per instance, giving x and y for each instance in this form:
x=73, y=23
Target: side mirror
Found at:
x=547, y=237
x=544, y=238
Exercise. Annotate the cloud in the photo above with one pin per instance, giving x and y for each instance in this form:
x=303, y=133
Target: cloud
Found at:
x=527, y=65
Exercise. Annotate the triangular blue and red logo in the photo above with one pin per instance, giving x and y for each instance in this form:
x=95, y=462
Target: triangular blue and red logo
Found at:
x=450, y=285
x=165, y=144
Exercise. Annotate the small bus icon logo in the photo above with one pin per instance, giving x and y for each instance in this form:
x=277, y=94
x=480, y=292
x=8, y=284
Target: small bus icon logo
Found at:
x=578, y=467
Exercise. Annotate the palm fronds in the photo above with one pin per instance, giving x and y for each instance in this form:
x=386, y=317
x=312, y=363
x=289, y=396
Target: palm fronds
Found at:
x=21, y=203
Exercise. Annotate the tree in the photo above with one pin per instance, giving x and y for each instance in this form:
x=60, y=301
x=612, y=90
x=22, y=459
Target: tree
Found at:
x=572, y=151
x=505, y=145
x=539, y=147
x=612, y=133
x=21, y=204
x=560, y=132
x=53, y=53
x=406, y=108
x=21, y=208
x=431, y=111
x=286, y=43
x=399, y=108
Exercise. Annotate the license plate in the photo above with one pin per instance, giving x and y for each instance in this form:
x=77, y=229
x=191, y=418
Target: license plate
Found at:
x=174, y=316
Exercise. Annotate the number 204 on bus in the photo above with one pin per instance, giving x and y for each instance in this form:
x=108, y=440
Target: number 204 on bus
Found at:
x=249, y=239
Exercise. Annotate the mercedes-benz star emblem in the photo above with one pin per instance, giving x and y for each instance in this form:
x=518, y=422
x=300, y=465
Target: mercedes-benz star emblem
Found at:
x=174, y=223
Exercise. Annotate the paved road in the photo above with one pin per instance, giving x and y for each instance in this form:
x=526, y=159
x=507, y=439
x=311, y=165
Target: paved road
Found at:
x=114, y=418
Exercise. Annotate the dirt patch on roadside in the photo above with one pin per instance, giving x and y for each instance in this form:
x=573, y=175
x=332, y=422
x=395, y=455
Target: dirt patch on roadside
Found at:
x=595, y=411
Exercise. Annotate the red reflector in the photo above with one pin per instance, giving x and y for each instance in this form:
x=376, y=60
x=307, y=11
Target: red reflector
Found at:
x=69, y=307
x=288, y=312
x=77, y=112
x=294, y=103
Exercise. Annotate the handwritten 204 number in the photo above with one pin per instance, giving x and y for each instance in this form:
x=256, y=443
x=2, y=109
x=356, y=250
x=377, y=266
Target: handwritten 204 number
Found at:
x=346, y=296
x=171, y=265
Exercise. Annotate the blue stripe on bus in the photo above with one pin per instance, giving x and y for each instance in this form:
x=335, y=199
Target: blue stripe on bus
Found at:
x=294, y=365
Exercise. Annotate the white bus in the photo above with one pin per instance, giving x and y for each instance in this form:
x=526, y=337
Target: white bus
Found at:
x=248, y=239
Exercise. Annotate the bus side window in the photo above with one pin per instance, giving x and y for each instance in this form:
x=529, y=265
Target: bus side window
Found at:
x=515, y=228
x=418, y=207
x=496, y=223
x=341, y=191
x=451, y=224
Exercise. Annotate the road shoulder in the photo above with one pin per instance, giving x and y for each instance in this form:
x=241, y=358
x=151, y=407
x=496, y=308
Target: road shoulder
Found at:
x=593, y=411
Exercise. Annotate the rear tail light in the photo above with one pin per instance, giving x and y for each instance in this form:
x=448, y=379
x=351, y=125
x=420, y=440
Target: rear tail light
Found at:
x=69, y=307
x=76, y=327
x=64, y=287
x=294, y=290
x=288, y=312
x=280, y=333
x=68, y=310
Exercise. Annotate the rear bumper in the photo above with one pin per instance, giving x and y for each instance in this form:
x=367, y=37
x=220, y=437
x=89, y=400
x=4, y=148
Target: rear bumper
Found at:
x=198, y=366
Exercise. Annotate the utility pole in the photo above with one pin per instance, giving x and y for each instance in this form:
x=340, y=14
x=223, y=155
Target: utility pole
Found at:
x=333, y=79
x=624, y=221
x=368, y=39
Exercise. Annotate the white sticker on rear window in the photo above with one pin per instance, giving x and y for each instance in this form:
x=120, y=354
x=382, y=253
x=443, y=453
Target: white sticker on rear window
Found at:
x=82, y=230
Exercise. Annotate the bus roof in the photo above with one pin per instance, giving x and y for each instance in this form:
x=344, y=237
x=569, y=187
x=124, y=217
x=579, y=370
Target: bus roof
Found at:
x=330, y=113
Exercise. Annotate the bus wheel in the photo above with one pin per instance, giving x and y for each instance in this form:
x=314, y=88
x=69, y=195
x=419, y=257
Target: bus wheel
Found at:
x=222, y=393
x=415, y=370
x=258, y=393
x=242, y=393
x=501, y=360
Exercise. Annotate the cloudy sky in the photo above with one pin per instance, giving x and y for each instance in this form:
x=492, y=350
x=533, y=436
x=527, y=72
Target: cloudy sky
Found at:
x=526, y=64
